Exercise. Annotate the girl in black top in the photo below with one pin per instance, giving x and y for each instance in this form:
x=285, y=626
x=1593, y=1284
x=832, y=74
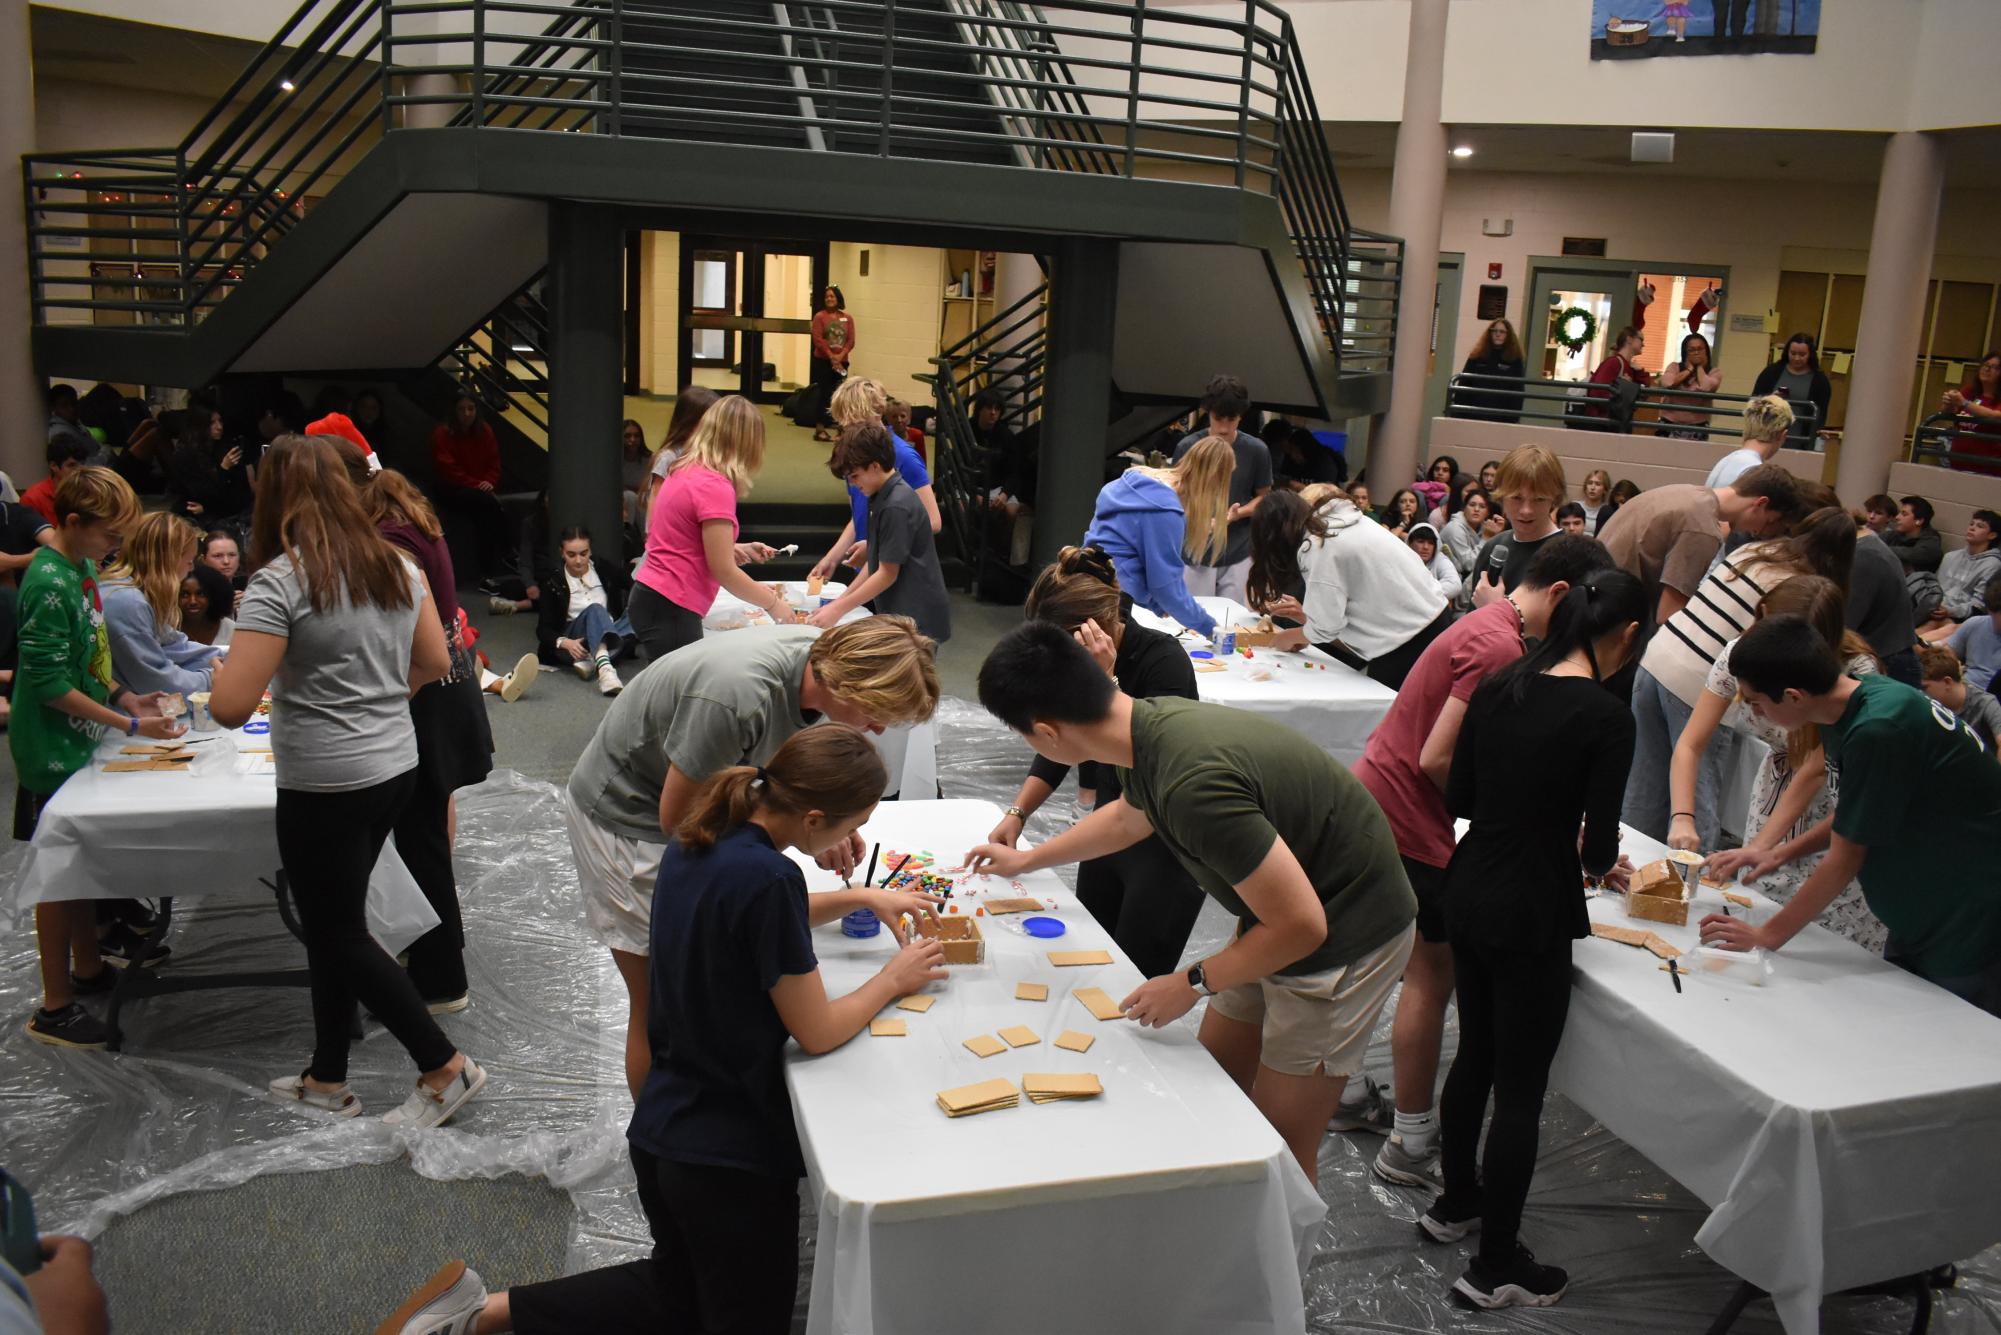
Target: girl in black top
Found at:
x=1514, y=903
x=1498, y=353
x=1142, y=895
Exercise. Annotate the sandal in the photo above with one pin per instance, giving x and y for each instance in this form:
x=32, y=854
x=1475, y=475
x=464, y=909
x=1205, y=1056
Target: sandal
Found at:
x=340, y=1102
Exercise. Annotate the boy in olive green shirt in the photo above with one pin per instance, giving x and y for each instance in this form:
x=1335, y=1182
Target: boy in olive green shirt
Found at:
x=1270, y=826
x=60, y=692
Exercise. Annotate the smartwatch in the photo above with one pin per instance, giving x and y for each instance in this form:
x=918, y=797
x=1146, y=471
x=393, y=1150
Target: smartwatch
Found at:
x=1200, y=981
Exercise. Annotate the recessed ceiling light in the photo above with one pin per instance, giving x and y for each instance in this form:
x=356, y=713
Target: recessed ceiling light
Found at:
x=1463, y=151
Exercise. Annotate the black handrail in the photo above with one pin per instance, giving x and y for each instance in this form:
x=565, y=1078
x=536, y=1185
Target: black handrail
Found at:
x=1581, y=403
x=1939, y=441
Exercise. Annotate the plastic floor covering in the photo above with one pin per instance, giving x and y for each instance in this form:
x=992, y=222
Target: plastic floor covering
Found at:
x=183, y=1108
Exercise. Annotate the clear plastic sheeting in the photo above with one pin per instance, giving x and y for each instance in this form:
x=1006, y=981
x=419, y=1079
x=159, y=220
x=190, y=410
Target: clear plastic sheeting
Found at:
x=184, y=1109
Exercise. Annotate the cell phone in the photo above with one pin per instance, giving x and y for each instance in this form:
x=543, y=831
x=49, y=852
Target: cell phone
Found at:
x=20, y=1242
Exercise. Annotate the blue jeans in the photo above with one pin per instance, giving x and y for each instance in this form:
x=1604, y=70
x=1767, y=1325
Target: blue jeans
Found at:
x=595, y=626
x=1658, y=719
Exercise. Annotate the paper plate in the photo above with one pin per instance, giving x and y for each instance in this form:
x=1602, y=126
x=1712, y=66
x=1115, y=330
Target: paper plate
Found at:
x=1043, y=926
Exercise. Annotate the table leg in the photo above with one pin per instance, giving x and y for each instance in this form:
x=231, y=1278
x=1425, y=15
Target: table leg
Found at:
x=1741, y=1299
x=1918, y=1288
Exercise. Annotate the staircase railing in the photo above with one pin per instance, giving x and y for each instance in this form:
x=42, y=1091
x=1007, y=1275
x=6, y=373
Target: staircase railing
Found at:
x=1126, y=89
x=503, y=361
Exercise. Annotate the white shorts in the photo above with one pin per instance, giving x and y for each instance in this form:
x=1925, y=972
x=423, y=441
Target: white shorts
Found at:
x=615, y=875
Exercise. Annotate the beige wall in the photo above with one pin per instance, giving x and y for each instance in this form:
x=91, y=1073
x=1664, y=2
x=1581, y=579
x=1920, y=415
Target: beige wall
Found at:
x=895, y=310
x=659, y=312
x=1649, y=461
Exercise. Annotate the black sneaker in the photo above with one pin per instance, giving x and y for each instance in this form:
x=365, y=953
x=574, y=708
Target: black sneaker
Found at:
x=121, y=946
x=1519, y=1281
x=70, y=1027
x=1448, y=1221
x=98, y=986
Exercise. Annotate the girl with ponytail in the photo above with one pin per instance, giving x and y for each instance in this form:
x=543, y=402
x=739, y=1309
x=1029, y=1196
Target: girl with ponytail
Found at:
x=734, y=979
x=1513, y=907
x=1142, y=895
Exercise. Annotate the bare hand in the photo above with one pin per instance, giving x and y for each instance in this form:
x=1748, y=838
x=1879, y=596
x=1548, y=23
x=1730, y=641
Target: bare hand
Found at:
x=194, y=507
x=145, y=706
x=1487, y=590
x=1621, y=874
x=783, y=613
x=996, y=860
x=66, y=1294
x=1098, y=645
x=574, y=648
x=484, y=486
x=891, y=905
x=920, y=962
x=826, y=618
x=233, y=457
x=533, y=593
x=236, y=605
x=1285, y=605
x=161, y=729
x=1682, y=835
x=822, y=568
x=1725, y=932
x=842, y=857
x=1755, y=863
x=1008, y=833
x=1160, y=1001
x=856, y=556
x=753, y=553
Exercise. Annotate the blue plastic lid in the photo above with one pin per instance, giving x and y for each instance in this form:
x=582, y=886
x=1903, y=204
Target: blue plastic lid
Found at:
x=1043, y=926
x=257, y=727
x=1200, y=653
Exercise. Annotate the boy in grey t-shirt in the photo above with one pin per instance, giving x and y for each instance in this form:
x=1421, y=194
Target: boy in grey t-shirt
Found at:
x=904, y=578
x=1226, y=400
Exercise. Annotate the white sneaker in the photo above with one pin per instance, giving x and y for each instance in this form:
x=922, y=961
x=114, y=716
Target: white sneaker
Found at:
x=608, y=682
x=449, y=1303
x=584, y=668
x=294, y=1089
x=427, y=1107
x=518, y=681
x=501, y=607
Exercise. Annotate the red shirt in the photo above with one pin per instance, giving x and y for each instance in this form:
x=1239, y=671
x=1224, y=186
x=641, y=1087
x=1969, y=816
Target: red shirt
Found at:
x=466, y=460
x=41, y=498
x=1451, y=668
x=1983, y=440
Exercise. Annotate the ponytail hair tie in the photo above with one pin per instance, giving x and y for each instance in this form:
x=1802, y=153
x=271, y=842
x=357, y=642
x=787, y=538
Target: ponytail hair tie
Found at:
x=762, y=777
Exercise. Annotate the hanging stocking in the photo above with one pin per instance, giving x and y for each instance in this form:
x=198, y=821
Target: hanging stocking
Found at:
x=1642, y=299
x=1705, y=305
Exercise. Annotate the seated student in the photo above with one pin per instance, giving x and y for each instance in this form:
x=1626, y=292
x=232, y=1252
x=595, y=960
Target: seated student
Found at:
x=1977, y=642
x=1423, y=540
x=1880, y=513
x=1141, y=895
x=1879, y=606
x=729, y=700
x=896, y=417
x=207, y=603
x=222, y=553
x=1147, y=518
x=1965, y=574
x=1919, y=803
x=1912, y=537
x=1271, y=827
x=582, y=623
x=1405, y=768
x=904, y=578
x=1668, y=537
x=1367, y=599
x=1570, y=517
x=1945, y=682
x=65, y=456
x=141, y=593
x=736, y=981
x=66, y=423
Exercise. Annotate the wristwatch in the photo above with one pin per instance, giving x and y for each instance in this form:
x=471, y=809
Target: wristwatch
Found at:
x=1017, y=813
x=1199, y=980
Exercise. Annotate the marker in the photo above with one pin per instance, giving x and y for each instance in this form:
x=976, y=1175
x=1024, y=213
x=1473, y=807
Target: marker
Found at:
x=1674, y=976
x=873, y=850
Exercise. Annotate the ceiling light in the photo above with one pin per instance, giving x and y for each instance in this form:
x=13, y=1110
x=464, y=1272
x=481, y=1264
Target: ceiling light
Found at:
x=1462, y=151
x=286, y=85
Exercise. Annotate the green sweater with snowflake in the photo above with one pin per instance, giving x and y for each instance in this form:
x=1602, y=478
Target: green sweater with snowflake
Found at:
x=64, y=648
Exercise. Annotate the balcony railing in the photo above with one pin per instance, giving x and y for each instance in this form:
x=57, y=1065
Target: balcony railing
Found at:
x=1958, y=440
x=1587, y=407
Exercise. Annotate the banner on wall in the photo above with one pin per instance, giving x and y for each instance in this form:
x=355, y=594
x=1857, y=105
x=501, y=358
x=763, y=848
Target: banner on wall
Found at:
x=1646, y=29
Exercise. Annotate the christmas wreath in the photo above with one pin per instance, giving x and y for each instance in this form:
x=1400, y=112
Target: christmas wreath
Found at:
x=1574, y=329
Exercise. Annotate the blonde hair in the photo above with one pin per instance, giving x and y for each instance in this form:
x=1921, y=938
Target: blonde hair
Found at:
x=1202, y=480
x=1767, y=418
x=154, y=557
x=880, y=665
x=857, y=399
x=730, y=439
x=1530, y=470
x=1317, y=494
x=830, y=768
x=96, y=496
x=1081, y=586
x=1603, y=477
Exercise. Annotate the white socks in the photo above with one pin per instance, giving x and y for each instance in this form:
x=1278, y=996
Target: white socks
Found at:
x=1417, y=1132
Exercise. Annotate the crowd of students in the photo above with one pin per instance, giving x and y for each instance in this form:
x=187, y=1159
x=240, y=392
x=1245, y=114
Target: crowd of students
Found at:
x=1641, y=629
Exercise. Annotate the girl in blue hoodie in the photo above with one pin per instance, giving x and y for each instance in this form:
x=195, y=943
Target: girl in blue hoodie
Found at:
x=1147, y=517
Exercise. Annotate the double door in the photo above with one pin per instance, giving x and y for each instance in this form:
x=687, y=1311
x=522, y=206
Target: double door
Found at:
x=747, y=314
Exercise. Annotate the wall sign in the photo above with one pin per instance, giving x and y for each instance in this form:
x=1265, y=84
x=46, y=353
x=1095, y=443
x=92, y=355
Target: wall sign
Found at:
x=1585, y=246
x=1493, y=300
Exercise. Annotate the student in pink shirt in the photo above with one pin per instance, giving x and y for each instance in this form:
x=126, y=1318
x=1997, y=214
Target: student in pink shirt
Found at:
x=691, y=546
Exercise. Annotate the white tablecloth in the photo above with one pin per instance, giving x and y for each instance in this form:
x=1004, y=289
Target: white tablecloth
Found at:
x=1337, y=707
x=211, y=833
x=910, y=753
x=1166, y=1204
x=1843, y=1121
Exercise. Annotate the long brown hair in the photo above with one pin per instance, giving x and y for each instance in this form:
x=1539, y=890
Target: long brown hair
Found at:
x=1822, y=544
x=829, y=768
x=1282, y=523
x=689, y=406
x=1511, y=351
x=391, y=498
x=308, y=510
x=1081, y=586
x=155, y=556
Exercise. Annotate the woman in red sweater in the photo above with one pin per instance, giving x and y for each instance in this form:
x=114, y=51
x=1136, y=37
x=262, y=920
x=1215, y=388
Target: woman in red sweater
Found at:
x=833, y=345
x=1604, y=406
x=466, y=458
x=1978, y=404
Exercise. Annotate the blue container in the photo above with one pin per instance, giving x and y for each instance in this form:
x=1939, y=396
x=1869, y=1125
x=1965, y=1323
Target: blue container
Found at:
x=1226, y=643
x=861, y=923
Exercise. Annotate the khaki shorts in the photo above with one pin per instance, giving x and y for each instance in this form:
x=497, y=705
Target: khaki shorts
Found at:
x=615, y=874
x=1320, y=1023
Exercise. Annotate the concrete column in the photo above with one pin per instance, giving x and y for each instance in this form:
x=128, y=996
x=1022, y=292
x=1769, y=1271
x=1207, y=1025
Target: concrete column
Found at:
x=1083, y=301
x=1015, y=276
x=1893, y=313
x=586, y=370
x=1417, y=204
x=429, y=115
x=23, y=421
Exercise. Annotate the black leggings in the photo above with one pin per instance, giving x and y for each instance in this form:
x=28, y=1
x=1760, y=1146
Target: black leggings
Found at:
x=1146, y=899
x=423, y=840
x=328, y=843
x=725, y=1261
x=660, y=624
x=1512, y=1007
